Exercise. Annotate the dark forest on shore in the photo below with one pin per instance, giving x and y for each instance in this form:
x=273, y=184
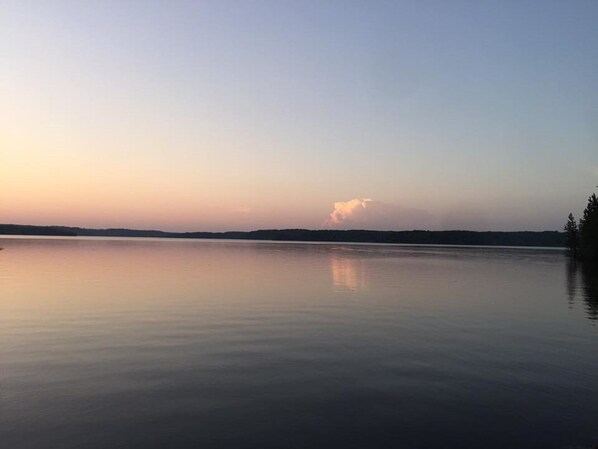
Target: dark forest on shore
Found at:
x=488, y=238
x=582, y=237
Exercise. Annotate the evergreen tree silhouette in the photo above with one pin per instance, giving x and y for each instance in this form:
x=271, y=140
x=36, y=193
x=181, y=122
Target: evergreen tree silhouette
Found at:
x=588, y=230
x=572, y=233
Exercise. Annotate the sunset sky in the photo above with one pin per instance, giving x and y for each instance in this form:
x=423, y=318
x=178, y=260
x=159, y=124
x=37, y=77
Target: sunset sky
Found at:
x=216, y=115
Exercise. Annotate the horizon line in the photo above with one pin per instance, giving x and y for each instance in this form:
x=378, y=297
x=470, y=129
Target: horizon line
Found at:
x=264, y=229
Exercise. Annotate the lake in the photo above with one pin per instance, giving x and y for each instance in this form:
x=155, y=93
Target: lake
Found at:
x=149, y=343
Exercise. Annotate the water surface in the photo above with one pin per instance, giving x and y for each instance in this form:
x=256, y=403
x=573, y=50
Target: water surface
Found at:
x=141, y=343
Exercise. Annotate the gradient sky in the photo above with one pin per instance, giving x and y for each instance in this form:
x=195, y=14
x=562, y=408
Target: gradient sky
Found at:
x=216, y=115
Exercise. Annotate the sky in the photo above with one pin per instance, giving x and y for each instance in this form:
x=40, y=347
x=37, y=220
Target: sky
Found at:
x=240, y=115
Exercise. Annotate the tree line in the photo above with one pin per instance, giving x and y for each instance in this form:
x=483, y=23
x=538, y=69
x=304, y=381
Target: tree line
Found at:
x=489, y=238
x=582, y=236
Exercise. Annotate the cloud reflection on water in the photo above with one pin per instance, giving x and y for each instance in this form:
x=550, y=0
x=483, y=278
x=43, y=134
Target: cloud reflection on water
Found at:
x=347, y=274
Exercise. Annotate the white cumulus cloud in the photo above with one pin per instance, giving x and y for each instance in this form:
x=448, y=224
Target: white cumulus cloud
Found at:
x=346, y=211
x=365, y=213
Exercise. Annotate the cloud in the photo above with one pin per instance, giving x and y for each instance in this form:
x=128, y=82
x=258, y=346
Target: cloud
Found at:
x=369, y=214
x=346, y=211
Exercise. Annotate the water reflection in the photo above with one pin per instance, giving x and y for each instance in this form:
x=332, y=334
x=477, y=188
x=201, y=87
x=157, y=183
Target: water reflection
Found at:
x=589, y=286
x=347, y=273
x=589, y=276
x=571, y=281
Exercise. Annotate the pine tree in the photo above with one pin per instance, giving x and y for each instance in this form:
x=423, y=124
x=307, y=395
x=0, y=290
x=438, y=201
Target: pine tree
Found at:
x=572, y=235
x=588, y=230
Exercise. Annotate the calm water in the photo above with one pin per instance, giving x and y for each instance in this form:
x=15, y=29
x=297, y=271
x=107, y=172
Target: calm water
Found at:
x=133, y=343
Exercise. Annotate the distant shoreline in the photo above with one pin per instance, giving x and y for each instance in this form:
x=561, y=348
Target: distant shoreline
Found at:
x=476, y=238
